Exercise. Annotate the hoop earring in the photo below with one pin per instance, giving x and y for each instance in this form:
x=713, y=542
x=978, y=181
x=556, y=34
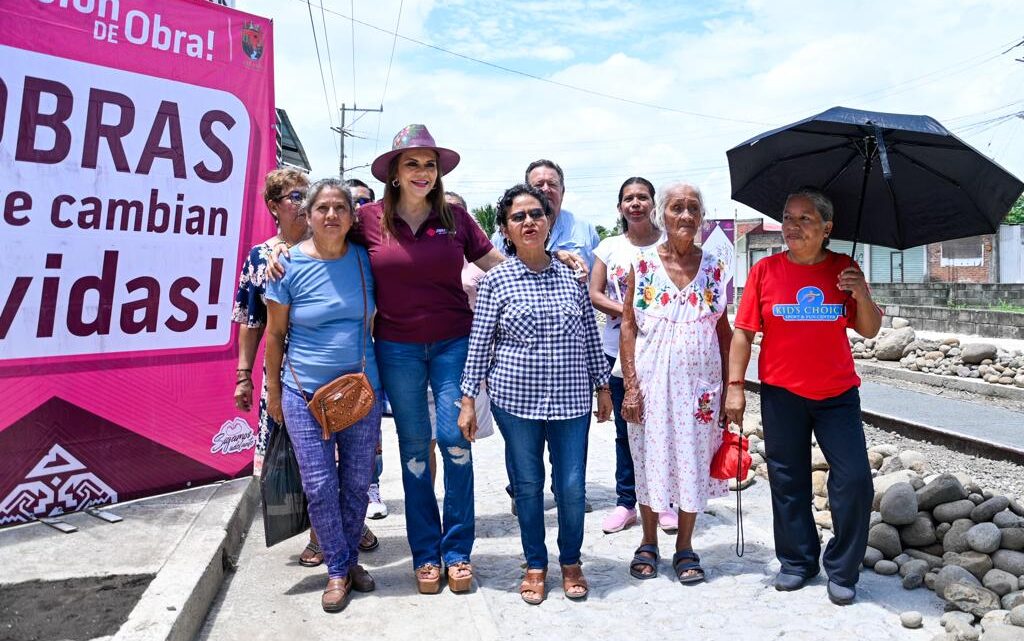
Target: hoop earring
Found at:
x=509, y=247
x=394, y=183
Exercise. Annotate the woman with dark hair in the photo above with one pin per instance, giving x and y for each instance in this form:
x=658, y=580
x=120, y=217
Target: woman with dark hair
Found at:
x=803, y=300
x=418, y=244
x=324, y=305
x=536, y=343
x=612, y=261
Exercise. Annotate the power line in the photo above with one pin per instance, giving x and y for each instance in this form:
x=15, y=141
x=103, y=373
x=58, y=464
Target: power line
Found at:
x=352, y=9
x=549, y=81
x=323, y=81
x=330, y=61
x=387, y=77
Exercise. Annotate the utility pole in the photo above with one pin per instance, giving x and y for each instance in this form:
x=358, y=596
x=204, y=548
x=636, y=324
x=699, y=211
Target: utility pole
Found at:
x=344, y=132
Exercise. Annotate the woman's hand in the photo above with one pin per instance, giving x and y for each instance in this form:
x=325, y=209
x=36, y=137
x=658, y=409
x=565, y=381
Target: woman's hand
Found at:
x=467, y=419
x=633, y=406
x=275, y=270
x=735, y=404
x=574, y=262
x=852, y=280
x=274, y=406
x=604, y=405
x=243, y=394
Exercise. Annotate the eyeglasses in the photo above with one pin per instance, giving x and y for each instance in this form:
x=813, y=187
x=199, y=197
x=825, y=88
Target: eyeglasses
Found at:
x=520, y=216
x=553, y=184
x=362, y=200
x=294, y=196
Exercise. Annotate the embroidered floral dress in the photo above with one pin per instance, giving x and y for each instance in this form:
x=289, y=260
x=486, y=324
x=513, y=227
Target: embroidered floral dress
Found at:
x=679, y=368
x=250, y=309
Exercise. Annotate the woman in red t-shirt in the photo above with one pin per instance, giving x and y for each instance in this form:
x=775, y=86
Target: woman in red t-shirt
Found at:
x=803, y=300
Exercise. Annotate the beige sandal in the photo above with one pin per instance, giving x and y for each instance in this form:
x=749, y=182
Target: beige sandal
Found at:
x=533, y=582
x=461, y=583
x=428, y=578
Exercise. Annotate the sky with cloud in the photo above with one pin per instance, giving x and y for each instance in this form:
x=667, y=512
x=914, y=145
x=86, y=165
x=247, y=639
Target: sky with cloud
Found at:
x=612, y=89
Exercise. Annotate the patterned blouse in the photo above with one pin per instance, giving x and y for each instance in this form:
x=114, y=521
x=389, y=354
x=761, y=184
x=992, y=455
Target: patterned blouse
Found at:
x=536, y=342
x=250, y=309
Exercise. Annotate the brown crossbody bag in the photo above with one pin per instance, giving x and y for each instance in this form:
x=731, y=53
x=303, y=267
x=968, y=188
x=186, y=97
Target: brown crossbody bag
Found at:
x=342, y=402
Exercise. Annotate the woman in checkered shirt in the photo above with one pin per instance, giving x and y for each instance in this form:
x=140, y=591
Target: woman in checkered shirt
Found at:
x=536, y=343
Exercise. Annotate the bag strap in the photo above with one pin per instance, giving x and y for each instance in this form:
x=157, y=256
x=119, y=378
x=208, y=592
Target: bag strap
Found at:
x=362, y=333
x=294, y=376
x=740, y=539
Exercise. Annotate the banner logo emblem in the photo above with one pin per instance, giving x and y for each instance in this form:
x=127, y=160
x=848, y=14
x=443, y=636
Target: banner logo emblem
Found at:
x=252, y=40
x=59, y=483
x=233, y=437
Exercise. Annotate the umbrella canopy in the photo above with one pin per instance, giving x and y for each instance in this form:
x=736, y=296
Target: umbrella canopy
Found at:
x=896, y=180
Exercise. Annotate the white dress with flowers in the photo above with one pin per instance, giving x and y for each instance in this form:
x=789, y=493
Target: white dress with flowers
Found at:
x=679, y=368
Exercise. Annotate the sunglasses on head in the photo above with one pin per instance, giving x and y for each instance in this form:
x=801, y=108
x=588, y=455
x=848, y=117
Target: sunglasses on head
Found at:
x=295, y=196
x=520, y=216
x=362, y=200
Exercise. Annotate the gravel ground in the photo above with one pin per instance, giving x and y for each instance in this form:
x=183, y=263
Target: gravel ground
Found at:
x=1001, y=477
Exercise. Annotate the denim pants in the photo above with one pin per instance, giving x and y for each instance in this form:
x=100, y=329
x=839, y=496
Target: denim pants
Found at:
x=625, y=479
x=524, y=454
x=788, y=421
x=405, y=370
x=335, y=476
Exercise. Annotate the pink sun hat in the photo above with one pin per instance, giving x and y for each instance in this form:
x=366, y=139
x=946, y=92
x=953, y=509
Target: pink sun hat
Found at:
x=413, y=137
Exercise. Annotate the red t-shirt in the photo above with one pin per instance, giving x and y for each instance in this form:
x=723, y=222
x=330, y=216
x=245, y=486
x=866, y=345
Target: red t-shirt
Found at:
x=800, y=310
x=418, y=276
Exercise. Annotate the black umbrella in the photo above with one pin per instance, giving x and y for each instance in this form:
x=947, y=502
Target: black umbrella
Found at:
x=896, y=180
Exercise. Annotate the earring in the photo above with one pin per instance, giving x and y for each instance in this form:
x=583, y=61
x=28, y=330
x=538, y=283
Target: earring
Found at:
x=509, y=247
x=394, y=183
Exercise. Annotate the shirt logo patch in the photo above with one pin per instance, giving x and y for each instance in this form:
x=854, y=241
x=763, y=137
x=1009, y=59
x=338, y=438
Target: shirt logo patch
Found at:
x=810, y=306
x=440, y=231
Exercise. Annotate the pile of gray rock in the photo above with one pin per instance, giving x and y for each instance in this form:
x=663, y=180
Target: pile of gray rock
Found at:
x=946, y=357
x=946, y=533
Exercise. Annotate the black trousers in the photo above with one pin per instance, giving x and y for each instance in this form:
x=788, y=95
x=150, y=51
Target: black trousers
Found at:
x=789, y=420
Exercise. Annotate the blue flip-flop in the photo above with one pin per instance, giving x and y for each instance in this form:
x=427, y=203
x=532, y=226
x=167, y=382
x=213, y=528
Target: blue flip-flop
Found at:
x=646, y=561
x=685, y=561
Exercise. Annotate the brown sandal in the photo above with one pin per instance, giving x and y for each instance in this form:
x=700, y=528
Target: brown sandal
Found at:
x=533, y=582
x=428, y=579
x=572, y=578
x=460, y=583
x=312, y=555
x=336, y=594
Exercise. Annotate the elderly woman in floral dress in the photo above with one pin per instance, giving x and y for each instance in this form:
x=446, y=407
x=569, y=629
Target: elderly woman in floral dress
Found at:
x=674, y=345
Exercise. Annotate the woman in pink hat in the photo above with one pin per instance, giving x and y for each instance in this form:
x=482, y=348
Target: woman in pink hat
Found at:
x=418, y=244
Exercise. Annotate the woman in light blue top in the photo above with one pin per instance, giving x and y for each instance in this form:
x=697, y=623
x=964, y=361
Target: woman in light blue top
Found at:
x=324, y=304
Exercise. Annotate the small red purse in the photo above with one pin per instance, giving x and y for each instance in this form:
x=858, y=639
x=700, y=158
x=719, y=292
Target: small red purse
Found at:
x=732, y=460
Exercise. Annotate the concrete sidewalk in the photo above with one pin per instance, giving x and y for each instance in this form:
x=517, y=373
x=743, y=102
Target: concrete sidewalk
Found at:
x=184, y=540
x=270, y=594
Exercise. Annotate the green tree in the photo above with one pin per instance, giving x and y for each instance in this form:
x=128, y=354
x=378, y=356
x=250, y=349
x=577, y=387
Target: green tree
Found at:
x=1016, y=215
x=486, y=216
x=603, y=232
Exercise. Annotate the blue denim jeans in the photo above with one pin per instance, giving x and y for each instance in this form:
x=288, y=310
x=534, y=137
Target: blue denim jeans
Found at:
x=625, y=478
x=335, y=476
x=524, y=453
x=405, y=370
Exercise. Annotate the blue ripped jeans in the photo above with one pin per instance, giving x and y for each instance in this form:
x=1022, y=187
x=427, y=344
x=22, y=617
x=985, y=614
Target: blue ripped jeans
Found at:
x=405, y=370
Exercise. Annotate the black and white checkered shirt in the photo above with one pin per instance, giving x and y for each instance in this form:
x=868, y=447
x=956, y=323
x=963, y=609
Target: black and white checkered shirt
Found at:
x=536, y=342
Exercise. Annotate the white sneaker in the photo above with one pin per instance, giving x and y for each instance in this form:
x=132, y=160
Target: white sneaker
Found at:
x=376, y=508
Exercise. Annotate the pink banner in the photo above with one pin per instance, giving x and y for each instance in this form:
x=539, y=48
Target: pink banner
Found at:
x=133, y=139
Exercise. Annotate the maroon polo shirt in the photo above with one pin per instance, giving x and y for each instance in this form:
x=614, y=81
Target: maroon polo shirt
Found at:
x=418, y=276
